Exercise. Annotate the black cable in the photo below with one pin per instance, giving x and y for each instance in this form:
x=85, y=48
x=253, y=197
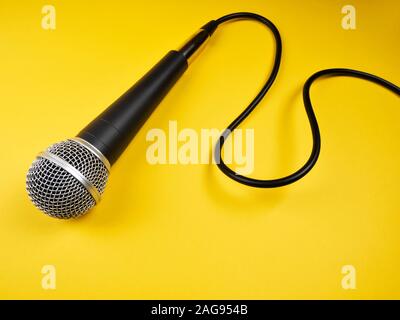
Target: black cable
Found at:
x=307, y=105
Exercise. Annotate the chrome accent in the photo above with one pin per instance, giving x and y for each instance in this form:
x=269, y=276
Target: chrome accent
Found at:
x=94, y=150
x=56, y=191
x=75, y=173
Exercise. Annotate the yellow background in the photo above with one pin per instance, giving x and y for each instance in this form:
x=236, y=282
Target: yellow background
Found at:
x=187, y=231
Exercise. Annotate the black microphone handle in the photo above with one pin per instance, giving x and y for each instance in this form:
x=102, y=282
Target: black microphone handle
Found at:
x=115, y=127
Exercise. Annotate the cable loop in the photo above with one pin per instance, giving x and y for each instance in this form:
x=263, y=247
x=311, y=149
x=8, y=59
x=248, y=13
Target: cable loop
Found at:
x=307, y=105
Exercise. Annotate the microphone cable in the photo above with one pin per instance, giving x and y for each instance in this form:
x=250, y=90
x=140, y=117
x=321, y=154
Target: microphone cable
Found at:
x=273, y=183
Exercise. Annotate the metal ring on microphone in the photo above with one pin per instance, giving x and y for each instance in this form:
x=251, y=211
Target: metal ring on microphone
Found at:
x=93, y=150
x=75, y=173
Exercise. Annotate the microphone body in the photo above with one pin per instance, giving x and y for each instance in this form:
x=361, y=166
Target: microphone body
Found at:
x=114, y=128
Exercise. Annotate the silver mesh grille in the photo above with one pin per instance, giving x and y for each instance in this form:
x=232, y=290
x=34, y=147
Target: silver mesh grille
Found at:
x=83, y=160
x=57, y=192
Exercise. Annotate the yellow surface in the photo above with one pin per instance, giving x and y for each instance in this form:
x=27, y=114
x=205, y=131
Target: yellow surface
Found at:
x=187, y=231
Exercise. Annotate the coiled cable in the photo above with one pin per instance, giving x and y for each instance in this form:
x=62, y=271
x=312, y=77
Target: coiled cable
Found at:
x=307, y=105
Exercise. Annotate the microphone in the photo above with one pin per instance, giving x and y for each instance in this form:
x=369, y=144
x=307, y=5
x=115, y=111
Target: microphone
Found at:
x=68, y=178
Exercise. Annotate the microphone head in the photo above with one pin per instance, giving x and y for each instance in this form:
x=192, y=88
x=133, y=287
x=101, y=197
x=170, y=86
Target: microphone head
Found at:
x=67, y=179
